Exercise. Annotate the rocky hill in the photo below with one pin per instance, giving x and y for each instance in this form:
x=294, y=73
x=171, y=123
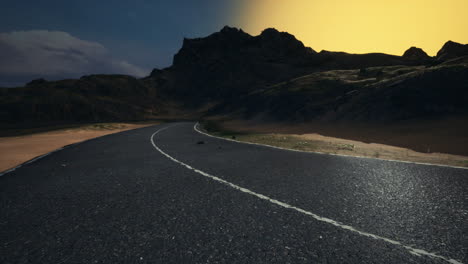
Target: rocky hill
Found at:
x=375, y=94
x=416, y=54
x=452, y=50
x=230, y=63
x=90, y=98
x=272, y=75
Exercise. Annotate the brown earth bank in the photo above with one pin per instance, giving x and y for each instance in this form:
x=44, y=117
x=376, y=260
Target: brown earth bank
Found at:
x=438, y=141
x=31, y=143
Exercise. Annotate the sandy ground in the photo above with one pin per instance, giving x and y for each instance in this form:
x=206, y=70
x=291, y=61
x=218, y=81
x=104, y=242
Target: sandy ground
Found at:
x=301, y=138
x=374, y=150
x=17, y=150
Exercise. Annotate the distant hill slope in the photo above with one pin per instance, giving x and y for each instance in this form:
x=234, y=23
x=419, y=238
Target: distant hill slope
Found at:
x=452, y=50
x=90, y=98
x=375, y=94
x=272, y=75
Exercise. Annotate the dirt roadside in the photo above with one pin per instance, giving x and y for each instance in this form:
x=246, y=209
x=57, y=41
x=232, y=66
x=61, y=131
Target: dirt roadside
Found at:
x=19, y=149
x=323, y=140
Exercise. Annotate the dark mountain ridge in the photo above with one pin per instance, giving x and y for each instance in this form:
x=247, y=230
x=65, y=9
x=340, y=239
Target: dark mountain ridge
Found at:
x=230, y=63
x=452, y=50
x=272, y=75
x=90, y=98
x=416, y=54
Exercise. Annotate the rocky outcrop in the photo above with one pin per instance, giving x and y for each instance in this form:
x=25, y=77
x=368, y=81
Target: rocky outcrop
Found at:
x=271, y=41
x=231, y=63
x=235, y=45
x=452, y=50
x=416, y=54
x=217, y=46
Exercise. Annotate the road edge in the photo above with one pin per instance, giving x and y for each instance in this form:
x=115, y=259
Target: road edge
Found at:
x=410, y=249
x=3, y=173
x=195, y=127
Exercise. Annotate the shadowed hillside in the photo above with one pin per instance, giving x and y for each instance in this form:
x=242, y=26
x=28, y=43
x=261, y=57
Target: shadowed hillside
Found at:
x=272, y=76
x=230, y=63
x=389, y=93
x=90, y=98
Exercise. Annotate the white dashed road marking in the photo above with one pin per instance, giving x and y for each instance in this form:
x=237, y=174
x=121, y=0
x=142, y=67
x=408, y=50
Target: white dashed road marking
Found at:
x=414, y=251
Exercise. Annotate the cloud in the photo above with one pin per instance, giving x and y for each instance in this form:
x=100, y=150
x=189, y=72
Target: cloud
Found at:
x=55, y=55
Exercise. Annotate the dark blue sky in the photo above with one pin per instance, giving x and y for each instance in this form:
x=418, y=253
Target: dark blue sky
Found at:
x=143, y=33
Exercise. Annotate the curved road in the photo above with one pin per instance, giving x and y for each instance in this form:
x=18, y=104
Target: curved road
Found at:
x=153, y=195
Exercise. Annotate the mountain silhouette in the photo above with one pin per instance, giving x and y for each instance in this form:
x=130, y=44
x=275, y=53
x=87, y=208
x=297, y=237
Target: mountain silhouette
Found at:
x=272, y=75
x=231, y=62
x=417, y=54
x=452, y=50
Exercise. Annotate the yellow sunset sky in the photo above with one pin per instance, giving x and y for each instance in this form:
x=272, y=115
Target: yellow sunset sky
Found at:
x=361, y=26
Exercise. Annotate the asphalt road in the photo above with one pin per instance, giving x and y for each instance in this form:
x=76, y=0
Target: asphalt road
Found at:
x=146, y=197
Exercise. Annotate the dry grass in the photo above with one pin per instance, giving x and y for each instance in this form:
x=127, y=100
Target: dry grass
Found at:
x=318, y=143
x=288, y=137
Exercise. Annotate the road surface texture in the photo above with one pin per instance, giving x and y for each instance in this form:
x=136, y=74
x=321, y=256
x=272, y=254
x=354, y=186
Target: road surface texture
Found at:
x=169, y=194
